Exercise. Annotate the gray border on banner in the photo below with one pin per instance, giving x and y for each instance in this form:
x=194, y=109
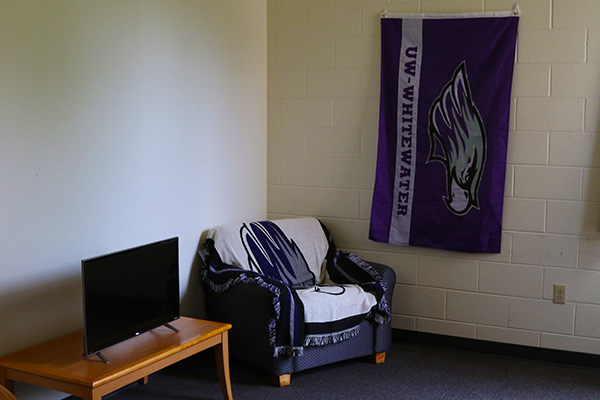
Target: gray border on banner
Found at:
x=412, y=36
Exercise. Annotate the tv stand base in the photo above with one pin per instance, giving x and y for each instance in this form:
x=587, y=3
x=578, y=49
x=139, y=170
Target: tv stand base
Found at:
x=100, y=356
x=171, y=327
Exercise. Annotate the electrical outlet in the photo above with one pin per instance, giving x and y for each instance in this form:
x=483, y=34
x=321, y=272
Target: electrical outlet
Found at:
x=560, y=294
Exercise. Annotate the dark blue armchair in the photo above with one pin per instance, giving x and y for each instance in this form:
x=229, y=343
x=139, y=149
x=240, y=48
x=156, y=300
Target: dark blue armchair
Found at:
x=295, y=301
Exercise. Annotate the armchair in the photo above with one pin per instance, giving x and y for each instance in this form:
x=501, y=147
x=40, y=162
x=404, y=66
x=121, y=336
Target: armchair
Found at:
x=295, y=301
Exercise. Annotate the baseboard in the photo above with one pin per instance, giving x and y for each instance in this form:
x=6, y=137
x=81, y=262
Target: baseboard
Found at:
x=496, y=348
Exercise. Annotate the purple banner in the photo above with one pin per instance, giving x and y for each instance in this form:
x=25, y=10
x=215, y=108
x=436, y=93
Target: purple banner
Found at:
x=443, y=130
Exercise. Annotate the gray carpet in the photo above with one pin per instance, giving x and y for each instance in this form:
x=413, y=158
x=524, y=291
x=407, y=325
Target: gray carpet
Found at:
x=410, y=372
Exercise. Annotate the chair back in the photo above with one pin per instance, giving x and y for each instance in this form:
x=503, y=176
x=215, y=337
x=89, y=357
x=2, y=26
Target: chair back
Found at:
x=289, y=250
x=6, y=394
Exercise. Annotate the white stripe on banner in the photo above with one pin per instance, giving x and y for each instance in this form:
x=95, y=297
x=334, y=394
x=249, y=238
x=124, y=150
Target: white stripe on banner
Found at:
x=409, y=72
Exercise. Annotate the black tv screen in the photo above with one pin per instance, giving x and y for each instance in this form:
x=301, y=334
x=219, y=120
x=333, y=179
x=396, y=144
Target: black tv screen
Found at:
x=129, y=292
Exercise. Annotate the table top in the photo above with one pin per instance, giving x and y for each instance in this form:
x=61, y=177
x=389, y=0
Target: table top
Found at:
x=62, y=358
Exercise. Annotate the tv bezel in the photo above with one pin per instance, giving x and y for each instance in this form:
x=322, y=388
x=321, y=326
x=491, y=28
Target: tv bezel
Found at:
x=134, y=330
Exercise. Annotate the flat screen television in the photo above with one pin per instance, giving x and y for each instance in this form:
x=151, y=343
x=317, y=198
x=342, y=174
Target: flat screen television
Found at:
x=129, y=292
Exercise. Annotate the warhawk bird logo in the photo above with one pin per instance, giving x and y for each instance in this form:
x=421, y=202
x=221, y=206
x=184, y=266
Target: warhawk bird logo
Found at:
x=272, y=253
x=457, y=139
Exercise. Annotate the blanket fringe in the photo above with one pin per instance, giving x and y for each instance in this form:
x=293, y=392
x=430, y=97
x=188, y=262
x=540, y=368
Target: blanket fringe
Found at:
x=243, y=278
x=382, y=305
x=288, y=351
x=369, y=269
x=330, y=338
x=380, y=319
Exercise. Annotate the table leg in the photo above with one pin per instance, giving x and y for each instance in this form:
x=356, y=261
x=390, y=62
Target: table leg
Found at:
x=222, y=356
x=10, y=385
x=92, y=395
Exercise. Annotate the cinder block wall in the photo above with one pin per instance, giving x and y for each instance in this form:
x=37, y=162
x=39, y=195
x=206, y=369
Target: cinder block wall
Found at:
x=323, y=88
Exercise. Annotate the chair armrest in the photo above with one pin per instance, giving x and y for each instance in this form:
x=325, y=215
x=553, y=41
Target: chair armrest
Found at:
x=383, y=332
x=246, y=303
x=388, y=275
x=248, y=307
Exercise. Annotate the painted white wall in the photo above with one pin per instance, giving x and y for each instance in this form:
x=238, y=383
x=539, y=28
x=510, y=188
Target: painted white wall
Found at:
x=323, y=59
x=121, y=123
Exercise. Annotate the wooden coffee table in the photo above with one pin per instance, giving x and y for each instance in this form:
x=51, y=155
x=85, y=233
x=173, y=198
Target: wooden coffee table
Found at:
x=59, y=364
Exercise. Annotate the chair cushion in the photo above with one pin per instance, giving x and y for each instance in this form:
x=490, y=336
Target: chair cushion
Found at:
x=335, y=302
x=334, y=308
x=290, y=250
